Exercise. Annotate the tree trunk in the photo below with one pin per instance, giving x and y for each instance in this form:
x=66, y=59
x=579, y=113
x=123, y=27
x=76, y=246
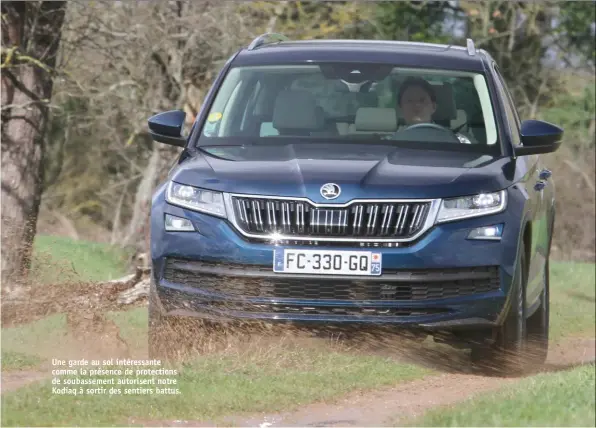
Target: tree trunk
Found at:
x=30, y=40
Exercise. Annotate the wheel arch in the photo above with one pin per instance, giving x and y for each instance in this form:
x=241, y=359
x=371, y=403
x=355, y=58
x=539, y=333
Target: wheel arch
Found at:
x=525, y=239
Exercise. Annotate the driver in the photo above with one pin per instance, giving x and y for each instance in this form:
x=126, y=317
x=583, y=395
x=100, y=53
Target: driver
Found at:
x=417, y=101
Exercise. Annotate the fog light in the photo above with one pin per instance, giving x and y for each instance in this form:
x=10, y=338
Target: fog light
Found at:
x=491, y=233
x=178, y=224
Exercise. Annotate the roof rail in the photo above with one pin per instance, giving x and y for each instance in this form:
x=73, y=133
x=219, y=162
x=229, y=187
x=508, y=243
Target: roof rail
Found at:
x=471, y=47
x=266, y=38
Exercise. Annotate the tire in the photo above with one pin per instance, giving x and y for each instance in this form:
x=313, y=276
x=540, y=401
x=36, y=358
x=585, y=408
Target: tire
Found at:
x=508, y=354
x=166, y=334
x=538, y=325
x=172, y=337
x=158, y=326
x=539, y=321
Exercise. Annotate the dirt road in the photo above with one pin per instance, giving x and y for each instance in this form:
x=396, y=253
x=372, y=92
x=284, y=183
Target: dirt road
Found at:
x=377, y=408
x=390, y=406
x=457, y=382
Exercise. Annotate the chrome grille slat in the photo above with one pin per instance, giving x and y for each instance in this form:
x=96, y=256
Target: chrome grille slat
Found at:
x=403, y=219
x=245, y=208
x=271, y=214
x=300, y=216
x=417, y=210
x=423, y=214
x=265, y=216
x=372, y=219
x=240, y=210
x=388, y=210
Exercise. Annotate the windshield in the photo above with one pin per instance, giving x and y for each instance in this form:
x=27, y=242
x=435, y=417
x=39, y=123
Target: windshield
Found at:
x=281, y=104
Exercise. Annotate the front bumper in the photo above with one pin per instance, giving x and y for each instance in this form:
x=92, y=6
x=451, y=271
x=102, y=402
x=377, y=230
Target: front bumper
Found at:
x=442, y=298
x=442, y=281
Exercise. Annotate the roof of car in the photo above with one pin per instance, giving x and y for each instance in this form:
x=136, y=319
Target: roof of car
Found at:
x=408, y=54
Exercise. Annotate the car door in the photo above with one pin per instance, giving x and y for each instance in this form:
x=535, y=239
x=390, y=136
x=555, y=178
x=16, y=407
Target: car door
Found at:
x=534, y=187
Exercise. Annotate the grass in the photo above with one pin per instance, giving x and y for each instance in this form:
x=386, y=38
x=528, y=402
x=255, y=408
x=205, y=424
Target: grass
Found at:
x=43, y=336
x=213, y=387
x=220, y=384
x=49, y=336
x=550, y=399
x=59, y=259
x=12, y=361
x=276, y=378
x=573, y=296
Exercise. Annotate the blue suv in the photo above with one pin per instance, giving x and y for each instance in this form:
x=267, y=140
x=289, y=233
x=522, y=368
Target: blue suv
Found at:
x=351, y=182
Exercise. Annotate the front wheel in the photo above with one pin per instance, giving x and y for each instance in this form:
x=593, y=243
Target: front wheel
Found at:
x=539, y=321
x=509, y=353
x=538, y=324
x=176, y=337
x=169, y=337
x=160, y=330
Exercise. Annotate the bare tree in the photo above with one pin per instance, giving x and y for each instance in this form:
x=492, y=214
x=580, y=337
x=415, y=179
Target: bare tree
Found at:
x=128, y=61
x=30, y=40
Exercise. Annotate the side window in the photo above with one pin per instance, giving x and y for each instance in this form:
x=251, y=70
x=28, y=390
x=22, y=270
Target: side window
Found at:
x=512, y=117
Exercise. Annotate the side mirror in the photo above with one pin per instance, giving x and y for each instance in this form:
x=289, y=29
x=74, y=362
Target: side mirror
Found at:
x=539, y=137
x=166, y=128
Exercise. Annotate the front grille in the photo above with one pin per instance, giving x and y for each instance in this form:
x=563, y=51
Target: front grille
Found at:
x=231, y=280
x=359, y=220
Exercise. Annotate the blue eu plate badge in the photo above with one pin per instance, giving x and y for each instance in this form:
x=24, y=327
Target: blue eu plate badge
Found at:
x=278, y=261
x=375, y=266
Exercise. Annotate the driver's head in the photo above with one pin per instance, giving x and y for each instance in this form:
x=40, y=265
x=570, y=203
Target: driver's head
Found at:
x=417, y=100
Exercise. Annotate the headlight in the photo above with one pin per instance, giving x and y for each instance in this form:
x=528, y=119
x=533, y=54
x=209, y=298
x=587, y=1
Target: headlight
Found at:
x=472, y=206
x=196, y=199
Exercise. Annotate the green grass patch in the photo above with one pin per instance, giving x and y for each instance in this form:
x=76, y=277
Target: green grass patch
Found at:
x=46, y=338
x=213, y=387
x=552, y=399
x=18, y=361
x=59, y=259
x=42, y=337
x=133, y=326
x=573, y=307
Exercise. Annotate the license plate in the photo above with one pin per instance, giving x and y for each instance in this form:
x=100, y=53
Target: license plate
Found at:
x=327, y=262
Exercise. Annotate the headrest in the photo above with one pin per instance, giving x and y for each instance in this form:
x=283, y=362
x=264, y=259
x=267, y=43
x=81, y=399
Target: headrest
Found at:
x=375, y=119
x=355, y=100
x=295, y=110
x=445, y=103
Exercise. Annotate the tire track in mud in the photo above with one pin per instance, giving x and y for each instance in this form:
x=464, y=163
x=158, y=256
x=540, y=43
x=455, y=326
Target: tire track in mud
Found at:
x=391, y=406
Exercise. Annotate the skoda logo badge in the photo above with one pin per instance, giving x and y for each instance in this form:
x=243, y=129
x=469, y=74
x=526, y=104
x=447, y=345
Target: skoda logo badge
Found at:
x=330, y=190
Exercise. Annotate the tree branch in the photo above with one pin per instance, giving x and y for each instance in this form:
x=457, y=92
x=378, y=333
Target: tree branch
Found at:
x=20, y=86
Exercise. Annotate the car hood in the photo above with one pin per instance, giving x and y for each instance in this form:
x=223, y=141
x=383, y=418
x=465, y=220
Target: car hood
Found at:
x=362, y=171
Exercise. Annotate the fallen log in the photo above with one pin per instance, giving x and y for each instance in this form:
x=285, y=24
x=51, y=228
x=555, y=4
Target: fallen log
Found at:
x=140, y=290
x=119, y=289
x=105, y=296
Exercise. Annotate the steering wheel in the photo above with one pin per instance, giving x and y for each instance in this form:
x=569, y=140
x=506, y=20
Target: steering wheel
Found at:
x=434, y=126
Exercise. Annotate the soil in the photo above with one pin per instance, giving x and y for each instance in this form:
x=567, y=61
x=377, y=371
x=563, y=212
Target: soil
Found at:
x=392, y=406
x=12, y=380
x=458, y=381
